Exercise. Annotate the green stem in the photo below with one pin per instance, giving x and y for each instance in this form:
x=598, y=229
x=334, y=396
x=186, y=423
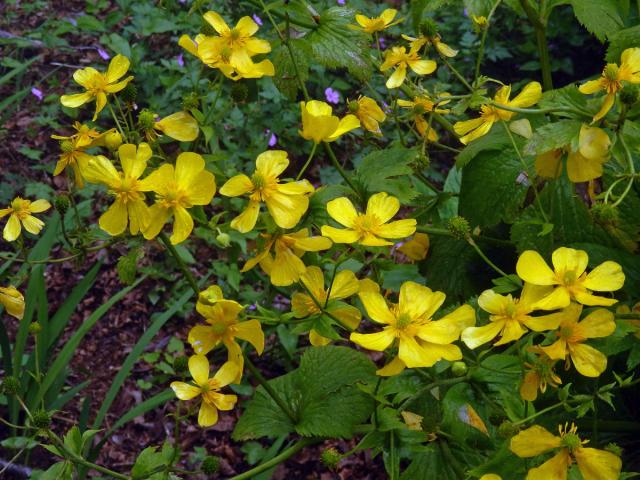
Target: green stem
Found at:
x=338, y=167
x=446, y=233
x=540, y=111
x=174, y=253
x=115, y=118
x=484, y=257
x=431, y=386
x=300, y=23
x=537, y=414
x=306, y=165
x=269, y=389
x=456, y=73
x=483, y=40
x=630, y=165
x=539, y=25
x=286, y=454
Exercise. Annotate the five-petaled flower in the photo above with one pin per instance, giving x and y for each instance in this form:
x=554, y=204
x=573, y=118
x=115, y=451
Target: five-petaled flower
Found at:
x=20, y=213
x=319, y=125
x=371, y=228
x=369, y=114
x=399, y=58
x=98, y=85
x=208, y=388
x=377, y=24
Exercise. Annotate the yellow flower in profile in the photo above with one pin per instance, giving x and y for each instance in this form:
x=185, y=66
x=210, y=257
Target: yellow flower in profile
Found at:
x=318, y=299
x=593, y=464
x=180, y=126
x=480, y=22
x=21, y=212
x=286, y=202
x=434, y=40
x=511, y=317
x=98, y=85
x=572, y=334
x=73, y=156
x=369, y=114
x=208, y=389
x=284, y=266
x=371, y=228
x=129, y=206
x=178, y=189
x=582, y=165
x=399, y=58
x=224, y=327
x=569, y=278
x=13, y=301
x=612, y=77
x=85, y=135
x=538, y=375
x=377, y=24
x=421, y=105
x=470, y=130
x=416, y=248
x=422, y=341
x=319, y=125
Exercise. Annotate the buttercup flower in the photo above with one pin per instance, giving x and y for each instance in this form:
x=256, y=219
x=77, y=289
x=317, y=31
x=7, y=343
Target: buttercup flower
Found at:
x=573, y=333
x=370, y=228
x=224, y=327
x=593, y=464
x=510, y=317
x=129, y=206
x=208, y=389
x=98, y=85
x=319, y=125
x=377, y=24
x=284, y=267
x=180, y=126
x=13, y=301
x=538, y=376
x=612, y=77
x=416, y=248
x=582, y=165
x=470, y=130
x=569, y=278
x=21, y=213
x=369, y=113
x=286, y=202
x=399, y=58
x=435, y=41
x=73, y=150
x=420, y=106
x=305, y=305
x=421, y=340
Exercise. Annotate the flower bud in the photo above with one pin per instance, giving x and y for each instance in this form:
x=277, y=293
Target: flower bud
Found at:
x=459, y=369
x=459, y=228
x=113, y=140
x=41, y=419
x=62, y=203
x=330, y=458
x=353, y=106
x=35, y=328
x=614, y=448
x=10, y=386
x=223, y=239
x=190, y=101
x=67, y=146
x=210, y=465
x=239, y=92
x=429, y=28
x=146, y=119
x=507, y=429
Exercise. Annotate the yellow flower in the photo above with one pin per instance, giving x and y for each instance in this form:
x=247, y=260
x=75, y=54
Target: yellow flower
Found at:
x=178, y=189
x=421, y=340
x=319, y=125
x=538, y=376
x=284, y=267
x=489, y=114
x=377, y=24
x=224, y=327
x=208, y=388
x=416, y=248
x=421, y=105
x=370, y=228
x=490, y=476
x=180, y=126
x=569, y=278
x=318, y=298
x=435, y=41
x=399, y=58
x=573, y=333
x=612, y=77
x=21, y=212
x=85, y=135
x=582, y=165
x=98, y=85
x=510, y=317
x=129, y=206
x=286, y=202
x=369, y=114
x=593, y=464
x=480, y=22
x=13, y=301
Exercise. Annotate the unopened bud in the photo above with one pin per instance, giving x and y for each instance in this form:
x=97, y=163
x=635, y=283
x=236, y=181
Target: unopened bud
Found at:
x=605, y=214
x=459, y=369
x=35, y=328
x=10, y=386
x=223, y=239
x=67, y=146
x=41, y=419
x=353, y=106
x=614, y=448
x=330, y=458
x=190, y=101
x=507, y=429
x=210, y=465
x=459, y=228
x=147, y=119
x=112, y=140
x=62, y=203
x=127, y=267
x=429, y=28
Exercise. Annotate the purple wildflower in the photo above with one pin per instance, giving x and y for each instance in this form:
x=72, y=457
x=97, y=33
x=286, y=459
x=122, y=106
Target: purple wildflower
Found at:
x=37, y=93
x=332, y=95
x=341, y=2
x=180, y=60
x=273, y=139
x=382, y=42
x=103, y=54
x=257, y=19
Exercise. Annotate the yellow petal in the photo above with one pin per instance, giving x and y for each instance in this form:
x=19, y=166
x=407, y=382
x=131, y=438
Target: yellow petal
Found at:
x=398, y=229
x=464, y=127
x=184, y=391
x=32, y=224
x=529, y=96
x=202, y=189
x=493, y=302
x=318, y=340
x=599, y=323
x=101, y=170
x=272, y=163
x=247, y=219
x=378, y=341
x=182, y=225
x=553, y=469
x=286, y=268
x=189, y=45
x=12, y=229
x=532, y=268
x=346, y=124
x=139, y=218
x=13, y=301
x=236, y=186
x=251, y=331
x=383, y=206
x=529, y=386
x=592, y=86
x=582, y=169
x=418, y=301
x=586, y=298
x=246, y=26
x=312, y=244
x=394, y=367
x=558, y=298
x=340, y=235
x=557, y=350
x=301, y=304
x=608, y=102
x=223, y=402
x=423, y=67
x=397, y=78
x=39, y=206
x=118, y=66
x=461, y=318
x=342, y=211
x=597, y=464
x=226, y=374
x=606, y=277
x=217, y=22
x=114, y=220
x=199, y=369
x=388, y=15
x=593, y=142
x=570, y=260
x=202, y=339
x=482, y=130
x=76, y=100
x=157, y=217
x=587, y=360
x=549, y=164
x=344, y=285
x=208, y=415
x=347, y=315
x=476, y=336
x=180, y=126
x=377, y=307
x=414, y=355
x=286, y=210
x=416, y=248
x=533, y=441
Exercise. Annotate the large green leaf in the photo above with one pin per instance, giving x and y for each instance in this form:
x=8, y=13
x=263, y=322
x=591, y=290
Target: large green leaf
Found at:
x=322, y=393
x=600, y=17
x=551, y=136
x=620, y=41
x=287, y=73
x=388, y=171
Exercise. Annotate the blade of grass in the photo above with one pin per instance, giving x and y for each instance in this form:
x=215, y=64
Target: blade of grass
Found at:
x=65, y=397
x=17, y=70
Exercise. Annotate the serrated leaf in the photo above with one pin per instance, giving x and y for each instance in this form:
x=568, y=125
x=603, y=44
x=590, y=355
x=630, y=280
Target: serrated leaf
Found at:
x=388, y=171
x=285, y=71
x=599, y=17
x=496, y=139
x=551, y=136
x=568, y=96
x=336, y=45
x=620, y=41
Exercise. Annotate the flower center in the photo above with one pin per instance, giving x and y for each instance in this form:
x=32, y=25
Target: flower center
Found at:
x=218, y=329
x=569, y=278
x=404, y=320
x=128, y=190
x=365, y=223
x=20, y=208
x=174, y=197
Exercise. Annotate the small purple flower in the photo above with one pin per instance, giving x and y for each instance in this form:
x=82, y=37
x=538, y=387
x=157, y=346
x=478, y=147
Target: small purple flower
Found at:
x=182, y=1
x=180, y=60
x=382, y=42
x=103, y=54
x=273, y=140
x=332, y=95
x=252, y=307
x=466, y=12
x=37, y=93
x=386, y=108
x=341, y=2
x=72, y=21
x=257, y=19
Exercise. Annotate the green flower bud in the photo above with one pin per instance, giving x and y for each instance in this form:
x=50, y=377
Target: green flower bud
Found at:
x=353, y=106
x=10, y=386
x=459, y=369
x=614, y=448
x=127, y=267
x=146, y=119
x=41, y=419
x=129, y=93
x=459, y=228
x=62, y=203
x=223, y=239
x=239, y=92
x=330, y=458
x=190, y=101
x=180, y=364
x=507, y=429
x=429, y=28
x=630, y=94
x=67, y=146
x=35, y=328
x=113, y=140
x=210, y=465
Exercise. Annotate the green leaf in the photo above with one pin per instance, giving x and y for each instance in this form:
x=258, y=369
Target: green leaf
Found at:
x=285, y=70
x=496, y=139
x=569, y=97
x=620, y=41
x=322, y=393
x=148, y=460
x=551, y=136
x=336, y=45
x=58, y=471
x=379, y=172
x=491, y=191
x=599, y=17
